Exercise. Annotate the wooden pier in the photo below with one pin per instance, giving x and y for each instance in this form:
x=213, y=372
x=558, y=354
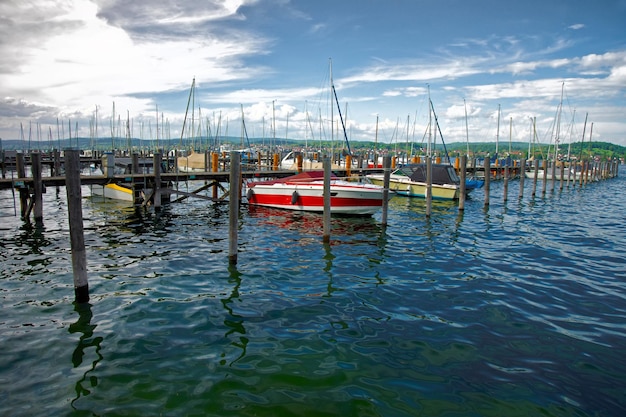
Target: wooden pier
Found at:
x=31, y=189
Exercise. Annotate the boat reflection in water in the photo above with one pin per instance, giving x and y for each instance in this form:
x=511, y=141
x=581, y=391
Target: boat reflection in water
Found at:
x=313, y=224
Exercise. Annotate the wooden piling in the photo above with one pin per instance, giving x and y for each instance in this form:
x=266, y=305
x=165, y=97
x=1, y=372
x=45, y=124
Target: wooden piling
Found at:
x=235, y=193
x=38, y=187
x=487, y=165
x=429, y=186
x=135, y=189
x=462, y=169
x=544, y=184
x=275, y=162
x=386, y=176
x=553, y=174
x=156, y=164
x=110, y=161
x=57, y=163
x=75, y=213
x=215, y=163
x=326, y=193
x=535, y=176
x=21, y=173
x=506, y=183
x=522, y=176
x=299, y=161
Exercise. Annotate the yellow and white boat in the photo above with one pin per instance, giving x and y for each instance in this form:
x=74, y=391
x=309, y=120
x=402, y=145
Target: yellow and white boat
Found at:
x=410, y=180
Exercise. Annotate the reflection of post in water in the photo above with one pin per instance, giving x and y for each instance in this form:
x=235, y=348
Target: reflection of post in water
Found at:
x=234, y=321
x=83, y=325
x=328, y=256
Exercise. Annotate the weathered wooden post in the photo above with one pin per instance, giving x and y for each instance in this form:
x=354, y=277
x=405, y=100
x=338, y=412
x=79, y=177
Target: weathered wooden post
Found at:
x=562, y=175
x=386, y=175
x=156, y=162
x=326, y=163
x=233, y=220
x=553, y=174
x=57, y=162
x=535, y=176
x=522, y=175
x=135, y=189
x=429, y=186
x=75, y=213
x=462, y=169
x=215, y=163
x=20, y=166
x=506, y=182
x=487, y=165
x=35, y=159
x=110, y=165
x=544, y=184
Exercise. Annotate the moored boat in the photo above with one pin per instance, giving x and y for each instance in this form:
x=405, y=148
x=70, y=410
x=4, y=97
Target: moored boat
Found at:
x=121, y=166
x=305, y=192
x=410, y=180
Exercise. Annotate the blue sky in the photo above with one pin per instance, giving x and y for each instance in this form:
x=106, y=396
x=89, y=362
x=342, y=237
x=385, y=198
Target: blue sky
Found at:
x=71, y=60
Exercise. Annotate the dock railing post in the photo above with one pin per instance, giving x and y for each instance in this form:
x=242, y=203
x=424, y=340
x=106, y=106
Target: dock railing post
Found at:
x=233, y=218
x=75, y=213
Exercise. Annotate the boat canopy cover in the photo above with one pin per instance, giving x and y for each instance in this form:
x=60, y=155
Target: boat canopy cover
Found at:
x=305, y=176
x=442, y=173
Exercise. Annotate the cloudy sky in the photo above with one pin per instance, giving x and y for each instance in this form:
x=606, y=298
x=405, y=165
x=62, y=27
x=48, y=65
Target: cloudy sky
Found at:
x=70, y=63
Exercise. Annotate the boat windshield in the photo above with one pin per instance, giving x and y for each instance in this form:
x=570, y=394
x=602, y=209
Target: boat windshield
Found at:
x=441, y=173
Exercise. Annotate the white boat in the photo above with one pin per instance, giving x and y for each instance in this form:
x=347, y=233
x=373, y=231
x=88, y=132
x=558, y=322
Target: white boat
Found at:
x=305, y=192
x=570, y=174
x=290, y=163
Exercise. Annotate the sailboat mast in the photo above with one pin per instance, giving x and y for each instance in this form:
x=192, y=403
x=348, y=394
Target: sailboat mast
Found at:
x=498, y=132
x=466, y=128
x=376, y=144
x=582, y=141
x=558, y=125
x=430, y=124
x=332, y=105
x=510, y=133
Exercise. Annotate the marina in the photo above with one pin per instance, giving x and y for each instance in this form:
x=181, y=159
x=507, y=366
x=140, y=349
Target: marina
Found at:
x=513, y=309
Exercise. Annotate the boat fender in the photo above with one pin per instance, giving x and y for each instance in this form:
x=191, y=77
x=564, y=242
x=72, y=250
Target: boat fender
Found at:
x=249, y=194
x=294, y=197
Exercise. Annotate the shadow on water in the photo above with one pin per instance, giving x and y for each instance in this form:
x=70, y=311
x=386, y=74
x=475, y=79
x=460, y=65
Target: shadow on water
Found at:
x=84, y=327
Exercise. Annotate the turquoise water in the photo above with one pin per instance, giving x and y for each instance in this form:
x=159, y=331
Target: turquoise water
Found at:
x=517, y=309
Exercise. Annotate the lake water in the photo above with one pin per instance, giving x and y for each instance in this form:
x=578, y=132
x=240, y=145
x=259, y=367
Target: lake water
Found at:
x=517, y=309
